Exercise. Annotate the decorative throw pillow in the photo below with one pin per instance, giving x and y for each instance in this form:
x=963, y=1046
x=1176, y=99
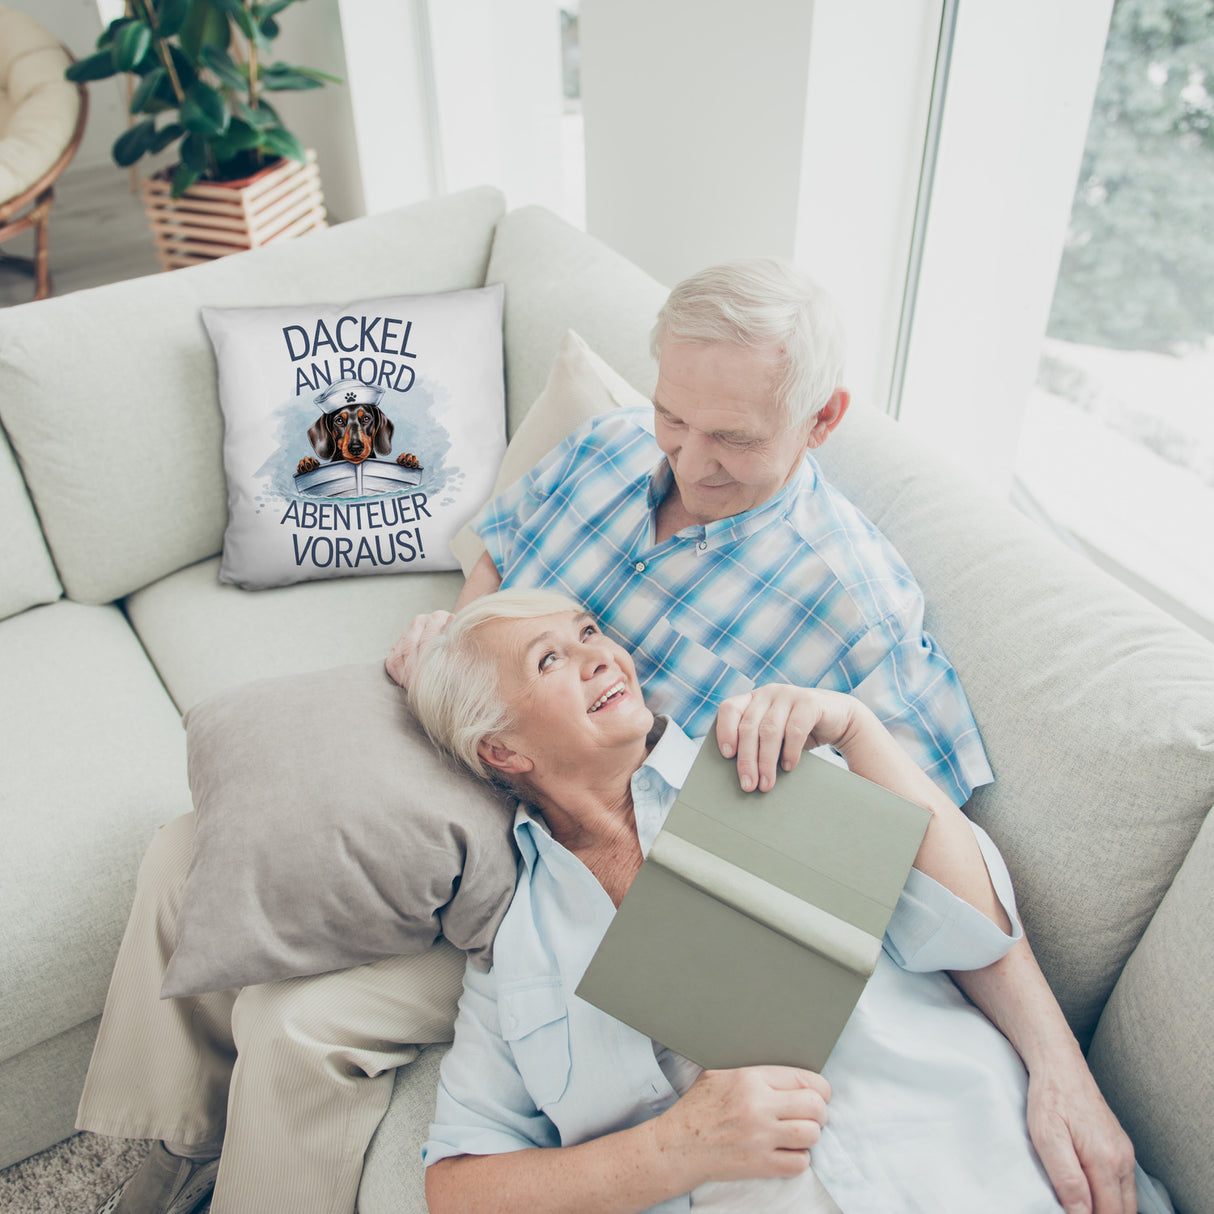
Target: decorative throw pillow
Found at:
x=358, y=439
x=580, y=386
x=329, y=832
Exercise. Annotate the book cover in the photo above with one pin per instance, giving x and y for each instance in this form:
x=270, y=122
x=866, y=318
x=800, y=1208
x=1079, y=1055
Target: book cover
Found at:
x=755, y=921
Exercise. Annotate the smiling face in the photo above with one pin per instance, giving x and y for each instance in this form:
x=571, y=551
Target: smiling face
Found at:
x=574, y=694
x=717, y=421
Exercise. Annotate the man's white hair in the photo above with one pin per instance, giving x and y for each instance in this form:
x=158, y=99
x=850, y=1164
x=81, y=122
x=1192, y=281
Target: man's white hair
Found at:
x=763, y=303
x=455, y=692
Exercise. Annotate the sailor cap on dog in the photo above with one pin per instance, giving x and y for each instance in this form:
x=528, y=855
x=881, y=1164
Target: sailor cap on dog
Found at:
x=347, y=392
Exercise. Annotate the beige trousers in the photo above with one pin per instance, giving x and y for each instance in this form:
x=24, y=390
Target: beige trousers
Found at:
x=293, y=1076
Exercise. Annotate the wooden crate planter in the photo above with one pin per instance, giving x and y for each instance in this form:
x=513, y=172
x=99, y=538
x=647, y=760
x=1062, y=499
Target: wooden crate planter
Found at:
x=215, y=218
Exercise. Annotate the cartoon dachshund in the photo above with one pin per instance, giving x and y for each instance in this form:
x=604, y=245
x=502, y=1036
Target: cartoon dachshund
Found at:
x=351, y=427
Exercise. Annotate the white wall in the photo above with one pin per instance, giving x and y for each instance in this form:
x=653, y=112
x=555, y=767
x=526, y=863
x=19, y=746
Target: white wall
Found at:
x=694, y=127
x=497, y=67
x=870, y=82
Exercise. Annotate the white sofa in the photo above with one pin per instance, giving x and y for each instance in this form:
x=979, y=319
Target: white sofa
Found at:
x=1097, y=711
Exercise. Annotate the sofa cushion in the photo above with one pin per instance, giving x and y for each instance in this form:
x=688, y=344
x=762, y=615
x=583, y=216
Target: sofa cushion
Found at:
x=558, y=278
x=580, y=386
x=128, y=375
x=314, y=494
x=1097, y=710
x=1152, y=1054
x=329, y=832
x=93, y=760
x=29, y=575
x=204, y=637
x=393, y=1179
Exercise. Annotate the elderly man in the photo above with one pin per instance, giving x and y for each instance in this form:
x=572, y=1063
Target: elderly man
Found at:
x=704, y=538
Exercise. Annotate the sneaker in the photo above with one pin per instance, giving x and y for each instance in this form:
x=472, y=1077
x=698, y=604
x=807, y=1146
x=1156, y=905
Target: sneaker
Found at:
x=164, y=1184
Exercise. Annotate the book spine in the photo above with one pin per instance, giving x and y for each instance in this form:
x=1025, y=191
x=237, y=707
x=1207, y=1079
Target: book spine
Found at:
x=802, y=922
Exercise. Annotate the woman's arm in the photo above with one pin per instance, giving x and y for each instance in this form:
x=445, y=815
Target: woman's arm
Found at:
x=769, y=728
x=484, y=579
x=730, y=1125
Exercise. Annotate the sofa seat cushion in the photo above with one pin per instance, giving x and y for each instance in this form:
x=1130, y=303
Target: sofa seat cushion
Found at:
x=204, y=637
x=93, y=760
x=129, y=501
x=1096, y=709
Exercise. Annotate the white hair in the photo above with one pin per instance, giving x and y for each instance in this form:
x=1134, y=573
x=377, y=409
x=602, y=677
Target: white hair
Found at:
x=763, y=303
x=454, y=691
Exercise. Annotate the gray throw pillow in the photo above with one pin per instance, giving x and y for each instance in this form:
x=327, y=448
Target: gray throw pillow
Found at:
x=330, y=833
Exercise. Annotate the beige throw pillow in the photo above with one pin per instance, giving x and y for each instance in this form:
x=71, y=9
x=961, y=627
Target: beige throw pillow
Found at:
x=580, y=386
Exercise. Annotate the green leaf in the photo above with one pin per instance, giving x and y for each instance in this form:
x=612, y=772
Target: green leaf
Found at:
x=106, y=39
x=131, y=44
x=240, y=137
x=144, y=97
x=183, y=178
x=261, y=118
x=280, y=77
x=205, y=26
x=166, y=135
x=268, y=29
x=132, y=144
x=171, y=16
x=281, y=142
x=272, y=9
x=203, y=111
x=225, y=67
x=194, y=153
x=187, y=73
x=95, y=67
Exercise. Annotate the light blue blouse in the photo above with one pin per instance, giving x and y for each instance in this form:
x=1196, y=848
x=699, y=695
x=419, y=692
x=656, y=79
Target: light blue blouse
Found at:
x=928, y=1104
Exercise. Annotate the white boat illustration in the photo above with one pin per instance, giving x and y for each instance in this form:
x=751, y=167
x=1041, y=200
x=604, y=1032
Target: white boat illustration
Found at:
x=342, y=479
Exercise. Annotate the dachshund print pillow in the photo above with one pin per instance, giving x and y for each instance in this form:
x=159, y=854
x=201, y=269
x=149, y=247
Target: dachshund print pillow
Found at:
x=358, y=438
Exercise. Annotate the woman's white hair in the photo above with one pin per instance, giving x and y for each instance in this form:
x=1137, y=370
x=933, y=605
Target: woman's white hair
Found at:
x=763, y=303
x=454, y=691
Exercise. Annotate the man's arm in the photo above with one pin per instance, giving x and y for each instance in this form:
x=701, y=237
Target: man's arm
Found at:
x=1087, y=1155
x=484, y=579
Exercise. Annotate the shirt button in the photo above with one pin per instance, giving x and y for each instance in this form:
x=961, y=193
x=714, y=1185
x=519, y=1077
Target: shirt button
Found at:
x=639, y=566
x=702, y=545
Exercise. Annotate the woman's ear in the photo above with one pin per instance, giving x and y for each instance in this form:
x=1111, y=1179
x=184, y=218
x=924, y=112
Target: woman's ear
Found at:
x=494, y=753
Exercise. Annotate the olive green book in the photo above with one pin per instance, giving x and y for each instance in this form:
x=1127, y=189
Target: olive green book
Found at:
x=755, y=921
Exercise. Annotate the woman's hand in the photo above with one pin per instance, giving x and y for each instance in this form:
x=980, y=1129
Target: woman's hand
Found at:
x=751, y=1122
x=401, y=660
x=772, y=725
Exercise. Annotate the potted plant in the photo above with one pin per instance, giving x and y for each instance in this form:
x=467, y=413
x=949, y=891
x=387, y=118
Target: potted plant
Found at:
x=201, y=71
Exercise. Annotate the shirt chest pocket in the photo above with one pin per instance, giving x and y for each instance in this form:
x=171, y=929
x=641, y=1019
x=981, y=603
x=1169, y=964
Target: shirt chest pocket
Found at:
x=685, y=678
x=535, y=1024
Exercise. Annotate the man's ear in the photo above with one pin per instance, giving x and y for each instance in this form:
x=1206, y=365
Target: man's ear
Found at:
x=829, y=416
x=501, y=758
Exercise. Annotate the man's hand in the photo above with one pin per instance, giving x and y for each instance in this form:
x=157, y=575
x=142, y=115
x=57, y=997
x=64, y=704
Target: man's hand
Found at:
x=770, y=727
x=400, y=662
x=750, y=1122
x=1086, y=1154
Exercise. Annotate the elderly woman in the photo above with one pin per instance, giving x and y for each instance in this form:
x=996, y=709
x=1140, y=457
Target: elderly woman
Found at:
x=547, y=1103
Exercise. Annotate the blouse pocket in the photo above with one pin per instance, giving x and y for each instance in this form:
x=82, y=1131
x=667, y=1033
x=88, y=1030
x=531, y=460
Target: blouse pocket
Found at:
x=535, y=1023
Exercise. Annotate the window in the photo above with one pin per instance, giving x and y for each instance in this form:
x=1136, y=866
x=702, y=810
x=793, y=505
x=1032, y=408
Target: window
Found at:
x=1117, y=443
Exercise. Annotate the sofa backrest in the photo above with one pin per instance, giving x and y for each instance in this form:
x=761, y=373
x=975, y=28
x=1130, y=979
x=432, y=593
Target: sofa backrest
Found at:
x=109, y=396
x=557, y=278
x=29, y=575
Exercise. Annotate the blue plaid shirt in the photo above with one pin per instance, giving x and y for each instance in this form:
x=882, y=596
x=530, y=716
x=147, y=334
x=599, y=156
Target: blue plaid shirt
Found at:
x=802, y=589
